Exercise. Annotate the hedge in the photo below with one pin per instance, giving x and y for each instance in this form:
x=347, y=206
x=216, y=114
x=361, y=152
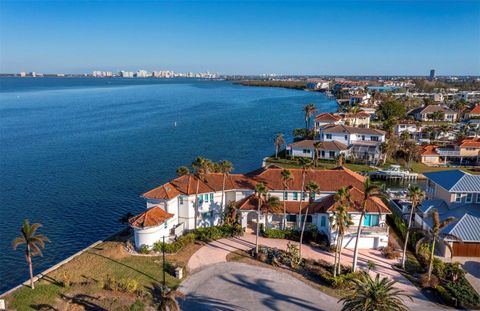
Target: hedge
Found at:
x=200, y=234
x=401, y=227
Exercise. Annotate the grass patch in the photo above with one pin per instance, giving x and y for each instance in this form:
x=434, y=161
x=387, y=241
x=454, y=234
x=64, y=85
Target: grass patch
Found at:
x=322, y=164
x=422, y=168
x=27, y=299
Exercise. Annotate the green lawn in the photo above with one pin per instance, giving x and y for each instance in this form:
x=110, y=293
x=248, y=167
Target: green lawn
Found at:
x=422, y=168
x=322, y=164
x=88, y=274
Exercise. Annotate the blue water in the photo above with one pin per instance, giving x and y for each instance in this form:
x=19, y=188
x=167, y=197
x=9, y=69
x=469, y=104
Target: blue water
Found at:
x=76, y=153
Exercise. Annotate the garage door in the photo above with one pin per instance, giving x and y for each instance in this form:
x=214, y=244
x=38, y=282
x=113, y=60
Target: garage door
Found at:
x=364, y=242
x=466, y=249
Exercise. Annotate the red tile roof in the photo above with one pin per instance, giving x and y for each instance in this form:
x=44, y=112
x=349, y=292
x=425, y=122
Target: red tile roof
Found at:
x=327, y=117
x=475, y=143
x=429, y=150
x=475, y=110
x=152, y=217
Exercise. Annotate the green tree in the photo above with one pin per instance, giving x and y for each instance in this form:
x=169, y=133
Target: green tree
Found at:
x=391, y=109
x=286, y=179
x=308, y=110
x=312, y=188
x=300, y=133
x=168, y=300
x=434, y=235
x=279, y=141
x=271, y=204
x=226, y=167
x=374, y=295
x=260, y=194
x=34, y=243
x=182, y=170
x=317, y=146
x=369, y=190
x=416, y=195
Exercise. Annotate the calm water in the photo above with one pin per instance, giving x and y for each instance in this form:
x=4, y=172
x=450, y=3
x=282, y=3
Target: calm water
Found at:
x=75, y=154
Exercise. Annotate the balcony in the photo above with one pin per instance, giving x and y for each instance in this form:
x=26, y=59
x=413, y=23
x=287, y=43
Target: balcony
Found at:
x=448, y=152
x=375, y=230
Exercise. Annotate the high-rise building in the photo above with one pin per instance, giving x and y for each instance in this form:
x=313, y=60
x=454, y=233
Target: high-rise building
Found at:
x=432, y=74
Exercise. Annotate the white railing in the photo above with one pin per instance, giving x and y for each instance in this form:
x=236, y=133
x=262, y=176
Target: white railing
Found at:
x=448, y=152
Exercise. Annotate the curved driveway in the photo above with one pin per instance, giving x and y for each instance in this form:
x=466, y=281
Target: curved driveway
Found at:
x=238, y=286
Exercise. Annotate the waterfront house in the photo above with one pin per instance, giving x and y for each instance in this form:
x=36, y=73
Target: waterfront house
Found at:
x=430, y=112
x=467, y=152
x=327, y=150
x=176, y=200
x=326, y=119
x=364, y=143
x=318, y=84
x=359, y=99
x=409, y=126
x=359, y=119
x=454, y=193
x=473, y=116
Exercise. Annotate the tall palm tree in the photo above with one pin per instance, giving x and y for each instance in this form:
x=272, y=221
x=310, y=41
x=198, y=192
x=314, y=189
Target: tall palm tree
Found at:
x=271, y=204
x=306, y=164
x=200, y=166
x=309, y=110
x=182, y=170
x=33, y=244
x=416, y=195
x=312, y=188
x=374, y=295
x=226, y=167
x=341, y=221
x=260, y=193
x=340, y=159
x=317, y=146
x=168, y=301
x=286, y=179
x=279, y=141
x=369, y=189
x=434, y=235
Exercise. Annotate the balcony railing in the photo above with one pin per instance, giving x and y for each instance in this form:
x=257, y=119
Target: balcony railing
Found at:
x=452, y=153
x=369, y=230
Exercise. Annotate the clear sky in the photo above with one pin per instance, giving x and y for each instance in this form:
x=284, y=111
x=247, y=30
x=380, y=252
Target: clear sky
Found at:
x=285, y=37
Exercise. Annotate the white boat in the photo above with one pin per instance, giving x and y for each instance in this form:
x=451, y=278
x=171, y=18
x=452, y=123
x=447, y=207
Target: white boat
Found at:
x=395, y=172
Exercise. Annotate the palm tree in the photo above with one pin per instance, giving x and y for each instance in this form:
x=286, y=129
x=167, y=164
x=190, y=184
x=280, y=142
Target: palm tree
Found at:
x=182, y=170
x=306, y=164
x=341, y=220
x=309, y=110
x=286, y=179
x=225, y=168
x=168, y=301
x=374, y=295
x=271, y=204
x=416, y=195
x=312, y=188
x=260, y=193
x=33, y=244
x=369, y=189
x=433, y=235
x=340, y=159
x=317, y=146
x=200, y=166
x=279, y=141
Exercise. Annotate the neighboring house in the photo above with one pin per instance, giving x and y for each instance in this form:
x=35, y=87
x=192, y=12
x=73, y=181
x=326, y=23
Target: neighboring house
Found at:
x=465, y=153
x=455, y=194
x=359, y=99
x=360, y=119
x=429, y=112
x=328, y=150
x=318, y=84
x=437, y=97
x=171, y=207
x=326, y=119
x=474, y=113
x=409, y=126
x=364, y=143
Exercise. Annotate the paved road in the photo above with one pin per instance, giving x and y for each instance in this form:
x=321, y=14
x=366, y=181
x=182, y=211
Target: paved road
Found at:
x=238, y=286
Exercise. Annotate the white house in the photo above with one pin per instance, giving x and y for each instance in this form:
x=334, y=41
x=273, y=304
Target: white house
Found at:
x=409, y=126
x=359, y=99
x=326, y=150
x=428, y=113
x=171, y=207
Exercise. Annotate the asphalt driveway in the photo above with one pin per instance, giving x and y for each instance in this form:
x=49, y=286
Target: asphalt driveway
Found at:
x=238, y=286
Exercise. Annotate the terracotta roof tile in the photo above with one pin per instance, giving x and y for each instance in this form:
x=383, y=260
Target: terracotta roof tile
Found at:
x=429, y=150
x=327, y=117
x=475, y=110
x=351, y=130
x=152, y=217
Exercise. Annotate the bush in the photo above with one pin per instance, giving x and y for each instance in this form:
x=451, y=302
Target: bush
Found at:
x=218, y=232
x=446, y=297
x=453, y=271
x=144, y=249
x=466, y=296
x=401, y=227
x=389, y=252
x=110, y=283
x=127, y=285
x=346, y=280
x=438, y=267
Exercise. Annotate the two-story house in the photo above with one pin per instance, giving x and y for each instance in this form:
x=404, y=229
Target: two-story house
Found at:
x=434, y=113
x=364, y=143
x=171, y=207
x=325, y=150
x=467, y=152
x=454, y=193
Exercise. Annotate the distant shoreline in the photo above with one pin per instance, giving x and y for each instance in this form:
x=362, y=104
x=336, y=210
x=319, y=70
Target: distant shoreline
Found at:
x=296, y=85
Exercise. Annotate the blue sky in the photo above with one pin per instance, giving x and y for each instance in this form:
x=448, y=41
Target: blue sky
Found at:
x=286, y=37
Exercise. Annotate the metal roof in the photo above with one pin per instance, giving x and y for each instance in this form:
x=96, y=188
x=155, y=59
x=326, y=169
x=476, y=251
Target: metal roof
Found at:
x=428, y=205
x=456, y=180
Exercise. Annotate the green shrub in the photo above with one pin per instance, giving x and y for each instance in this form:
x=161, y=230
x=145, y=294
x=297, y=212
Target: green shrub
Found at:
x=144, y=249
x=445, y=296
x=438, y=267
x=110, y=283
x=453, y=271
x=127, y=285
x=218, y=232
x=466, y=296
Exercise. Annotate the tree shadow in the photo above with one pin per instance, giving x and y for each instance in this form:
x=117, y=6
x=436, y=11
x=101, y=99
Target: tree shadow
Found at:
x=472, y=267
x=85, y=301
x=200, y=303
x=127, y=266
x=43, y=307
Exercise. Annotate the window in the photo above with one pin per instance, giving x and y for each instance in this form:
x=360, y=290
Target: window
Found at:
x=312, y=195
x=329, y=136
x=309, y=218
x=180, y=199
x=165, y=225
x=323, y=154
x=205, y=197
x=346, y=137
x=211, y=197
x=306, y=151
x=304, y=195
x=458, y=197
x=291, y=218
x=285, y=195
x=332, y=154
x=469, y=198
x=363, y=137
x=371, y=220
x=323, y=221
x=295, y=196
x=200, y=199
x=374, y=138
x=478, y=197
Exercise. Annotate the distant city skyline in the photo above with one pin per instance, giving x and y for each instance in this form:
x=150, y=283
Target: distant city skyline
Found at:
x=229, y=37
